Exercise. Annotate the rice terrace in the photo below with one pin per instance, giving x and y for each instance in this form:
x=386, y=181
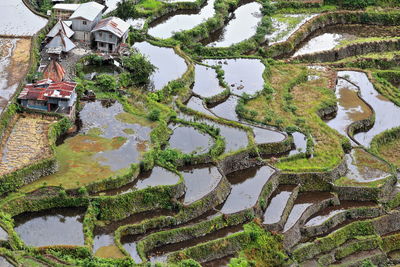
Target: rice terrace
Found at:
x=190, y=133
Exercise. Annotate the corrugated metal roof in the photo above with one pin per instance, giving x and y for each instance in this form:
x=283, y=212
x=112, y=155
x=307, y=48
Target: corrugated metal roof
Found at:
x=114, y=25
x=60, y=40
x=60, y=25
x=54, y=71
x=67, y=7
x=88, y=11
x=62, y=90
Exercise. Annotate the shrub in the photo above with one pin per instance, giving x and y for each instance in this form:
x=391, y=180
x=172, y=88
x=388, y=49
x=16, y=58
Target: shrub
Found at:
x=154, y=115
x=138, y=67
x=106, y=82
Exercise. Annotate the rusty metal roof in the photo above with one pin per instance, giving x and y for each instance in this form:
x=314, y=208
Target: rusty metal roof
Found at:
x=113, y=25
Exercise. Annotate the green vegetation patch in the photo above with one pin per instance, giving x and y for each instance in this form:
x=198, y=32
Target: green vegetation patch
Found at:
x=77, y=164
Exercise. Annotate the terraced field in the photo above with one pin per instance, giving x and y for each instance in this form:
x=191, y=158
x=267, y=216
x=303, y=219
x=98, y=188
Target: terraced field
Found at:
x=267, y=135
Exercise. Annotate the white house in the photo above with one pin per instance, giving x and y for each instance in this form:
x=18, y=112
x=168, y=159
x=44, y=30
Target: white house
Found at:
x=109, y=33
x=64, y=11
x=84, y=19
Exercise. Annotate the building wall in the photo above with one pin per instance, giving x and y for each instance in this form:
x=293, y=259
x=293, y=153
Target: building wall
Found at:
x=105, y=37
x=62, y=14
x=82, y=31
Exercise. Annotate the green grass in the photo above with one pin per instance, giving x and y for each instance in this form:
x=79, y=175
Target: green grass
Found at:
x=308, y=97
x=344, y=181
x=77, y=164
x=365, y=40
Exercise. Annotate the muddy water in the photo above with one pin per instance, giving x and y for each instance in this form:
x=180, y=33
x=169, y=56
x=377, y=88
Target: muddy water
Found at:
x=169, y=65
x=193, y=242
x=242, y=26
x=242, y=75
x=17, y=20
x=157, y=176
x=91, y=71
x=14, y=63
x=111, y=121
x=350, y=107
x=324, y=42
x=223, y=262
x=331, y=211
x=385, y=111
x=246, y=188
x=304, y=201
x=129, y=244
x=363, y=167
x=167, y=26
x=189, y=140
x=199, y=181
x=43, y=228
x=103, y=241
x=206, y=83
x=278, y=202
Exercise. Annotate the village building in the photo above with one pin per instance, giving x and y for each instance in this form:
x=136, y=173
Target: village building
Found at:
x=63, y=26
x=84, y=19
x=64, y=11
x=54, y=71
x=61, y=43
x=110, y=33
x=46, y=95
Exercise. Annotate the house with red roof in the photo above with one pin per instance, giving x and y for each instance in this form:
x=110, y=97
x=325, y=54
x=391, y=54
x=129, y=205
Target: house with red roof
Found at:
x=50, y=96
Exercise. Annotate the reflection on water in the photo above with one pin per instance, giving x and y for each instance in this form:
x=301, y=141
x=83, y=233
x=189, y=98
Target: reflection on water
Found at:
x=277, y=204
x=246, y=188
x=200, y=180
x=241, y=74
x=189, y=140
x=243, y=26
x=326, y=41
x=385, y=111
x=206, y=83
x=180, y=22
x=44, y=228
x=169, y=65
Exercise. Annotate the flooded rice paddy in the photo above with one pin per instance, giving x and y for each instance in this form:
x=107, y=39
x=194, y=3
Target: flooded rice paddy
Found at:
x=351, y=107
x=167, y=26
x=189, y=140
x=44, y=228
x=324, y=215
x=199, y=180
x=246, y=188
x=206, y=83
x=170, y=66
x=385, y=110
x=154, y=177
x=302, y=203
x=17, y=20
x=242, y=26
x=284, y=25
x=108, y=142
x=14, y=63
x=242, y=75
x=277, y=204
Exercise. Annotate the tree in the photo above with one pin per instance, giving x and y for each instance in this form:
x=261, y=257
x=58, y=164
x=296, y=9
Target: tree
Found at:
x=106, y=82
x=139, y=68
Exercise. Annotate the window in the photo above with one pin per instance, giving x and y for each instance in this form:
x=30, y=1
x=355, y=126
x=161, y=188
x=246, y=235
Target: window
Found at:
x=110, y=35
x=101, y=34
x=101, y=44
x=84, y=22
